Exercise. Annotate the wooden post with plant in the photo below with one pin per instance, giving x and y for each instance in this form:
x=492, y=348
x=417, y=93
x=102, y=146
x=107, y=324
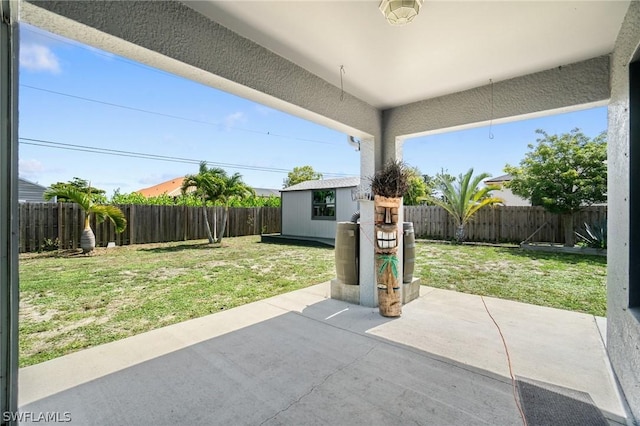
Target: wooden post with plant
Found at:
x=388, y=186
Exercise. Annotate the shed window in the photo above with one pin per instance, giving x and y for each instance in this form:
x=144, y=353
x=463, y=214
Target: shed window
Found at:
x=324, y=204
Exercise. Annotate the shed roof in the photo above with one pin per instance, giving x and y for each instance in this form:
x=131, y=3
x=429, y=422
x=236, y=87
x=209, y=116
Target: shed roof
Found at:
x=345, y=182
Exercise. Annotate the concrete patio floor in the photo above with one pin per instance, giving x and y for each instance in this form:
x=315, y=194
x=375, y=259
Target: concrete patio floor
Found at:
x=303, y=358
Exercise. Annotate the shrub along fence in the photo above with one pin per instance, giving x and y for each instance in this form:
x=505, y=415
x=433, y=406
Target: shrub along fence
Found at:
x=47, y=225
x=500, y=223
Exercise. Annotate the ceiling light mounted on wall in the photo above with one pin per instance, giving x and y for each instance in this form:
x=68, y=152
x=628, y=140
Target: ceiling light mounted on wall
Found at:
x=354, y=142
x=400, y=12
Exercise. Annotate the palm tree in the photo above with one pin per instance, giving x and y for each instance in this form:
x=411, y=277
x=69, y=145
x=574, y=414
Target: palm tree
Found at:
x=214, y=185
x=101, y=211
x=462, y=199
x=205, y=184
x=233, y=187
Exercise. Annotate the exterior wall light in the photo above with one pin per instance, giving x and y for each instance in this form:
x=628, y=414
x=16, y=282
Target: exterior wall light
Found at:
x=400, y=12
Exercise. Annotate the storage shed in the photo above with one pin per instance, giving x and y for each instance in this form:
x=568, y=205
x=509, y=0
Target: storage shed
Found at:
x=311, y=209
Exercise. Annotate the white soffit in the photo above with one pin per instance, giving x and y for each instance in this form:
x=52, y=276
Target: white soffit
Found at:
x=450, y=46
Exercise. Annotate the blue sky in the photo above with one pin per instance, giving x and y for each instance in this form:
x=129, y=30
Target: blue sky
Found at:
x=134, y=108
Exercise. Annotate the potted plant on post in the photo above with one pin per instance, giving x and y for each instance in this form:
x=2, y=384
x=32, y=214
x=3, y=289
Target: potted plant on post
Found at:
x=388, y=186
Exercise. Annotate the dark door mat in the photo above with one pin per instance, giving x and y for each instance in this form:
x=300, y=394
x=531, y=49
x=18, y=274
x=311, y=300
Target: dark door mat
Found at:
x=545, y=404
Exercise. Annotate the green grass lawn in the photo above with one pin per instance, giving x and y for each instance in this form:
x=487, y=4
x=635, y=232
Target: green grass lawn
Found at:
x=74, y=302
x=71, y=302
x=564, y=281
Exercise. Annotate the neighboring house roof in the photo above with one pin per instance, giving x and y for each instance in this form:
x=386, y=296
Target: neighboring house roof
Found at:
x=345, y=182
x=266, y=192
x=173, y=189
x=499, y=179
x=30, y=191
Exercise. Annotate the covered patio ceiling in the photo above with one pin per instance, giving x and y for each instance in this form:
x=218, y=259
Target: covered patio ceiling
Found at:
x=450, y=47
x=444, y=60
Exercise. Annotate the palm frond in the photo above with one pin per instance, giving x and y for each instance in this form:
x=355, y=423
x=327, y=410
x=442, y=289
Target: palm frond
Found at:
x=489, y=201
x=462, y=198
x=112, y=213
x=70, y=193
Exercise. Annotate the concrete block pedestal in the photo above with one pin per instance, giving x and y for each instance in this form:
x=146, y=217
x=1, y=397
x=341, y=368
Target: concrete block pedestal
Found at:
x=351, y=293
x=345, y=292
x=410, y=291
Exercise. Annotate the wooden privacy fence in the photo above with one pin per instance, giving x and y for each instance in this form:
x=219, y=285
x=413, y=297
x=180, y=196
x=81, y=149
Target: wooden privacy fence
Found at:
x=45, y=224
x=500, y=224
x=42, y=224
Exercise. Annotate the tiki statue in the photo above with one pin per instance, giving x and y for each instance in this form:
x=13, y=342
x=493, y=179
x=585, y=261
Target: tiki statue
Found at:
x=386, y=237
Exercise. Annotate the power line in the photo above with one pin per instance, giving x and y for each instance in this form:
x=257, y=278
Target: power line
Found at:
x=146, y=156
x=176, y=117
x=148, y=68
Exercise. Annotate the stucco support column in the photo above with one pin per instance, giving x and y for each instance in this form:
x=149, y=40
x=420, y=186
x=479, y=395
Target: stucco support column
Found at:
x=368, y=293
x=623, y=157
x=391, y=149
x=8, y=208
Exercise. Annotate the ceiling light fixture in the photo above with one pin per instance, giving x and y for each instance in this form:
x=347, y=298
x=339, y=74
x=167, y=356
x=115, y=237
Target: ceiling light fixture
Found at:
x=400, y=12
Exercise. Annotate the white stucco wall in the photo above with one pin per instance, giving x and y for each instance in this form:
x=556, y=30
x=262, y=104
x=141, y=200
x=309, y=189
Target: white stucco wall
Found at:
x=510, y=199
x=296, y=214
x=623, y=325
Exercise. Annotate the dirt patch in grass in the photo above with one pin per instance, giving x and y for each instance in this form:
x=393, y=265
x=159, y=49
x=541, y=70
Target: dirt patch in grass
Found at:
x=166, y=273
x=29, y=312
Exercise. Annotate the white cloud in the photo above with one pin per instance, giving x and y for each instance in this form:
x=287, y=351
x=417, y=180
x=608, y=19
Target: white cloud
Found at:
x=30, y=167
x=37, y=57
x=34, y=170
x=232, y=119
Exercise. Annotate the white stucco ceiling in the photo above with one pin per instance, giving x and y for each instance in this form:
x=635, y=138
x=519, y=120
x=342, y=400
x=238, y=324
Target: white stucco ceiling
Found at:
x=451, y=46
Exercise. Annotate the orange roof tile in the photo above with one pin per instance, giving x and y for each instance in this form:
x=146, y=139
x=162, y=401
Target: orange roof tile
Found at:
x=170, y=187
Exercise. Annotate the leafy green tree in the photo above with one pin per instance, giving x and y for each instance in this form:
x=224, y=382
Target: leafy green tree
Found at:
x=159, y=200
x=301, y=174
x=191, y=200
x=82, y=185
x=434, y=184
x=417, y=192
x=563, y=173
x=462, y=198
x=215, y=185
x=132, y=198
x=90, y=207
x=429, y=183
x=255, y=201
